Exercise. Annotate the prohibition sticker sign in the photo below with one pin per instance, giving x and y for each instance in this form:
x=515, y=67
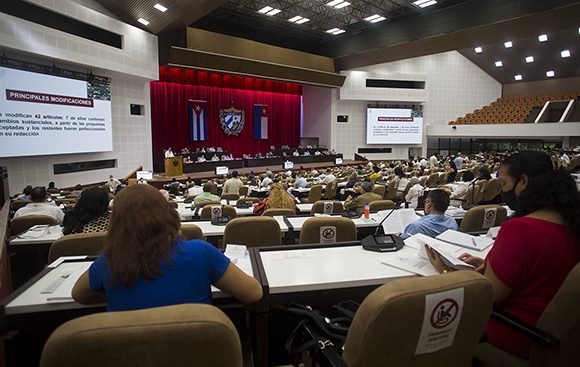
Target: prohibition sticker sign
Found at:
x=444, y=313
x=216, y=210
x=490, y=215
x=328, y=233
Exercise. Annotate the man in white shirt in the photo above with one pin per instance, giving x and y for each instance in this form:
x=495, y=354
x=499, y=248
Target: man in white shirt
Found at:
x=39, y=206
x=329, y=177
x=266, y=181
x=296, y=154
x=215, y=158
x=201, y=159
x=458, y=161
x=169, y=153
x=433, y=161
x=423, y=162
x=233, y=185
x=301, y=182
x=113, y=183
x=196, y=189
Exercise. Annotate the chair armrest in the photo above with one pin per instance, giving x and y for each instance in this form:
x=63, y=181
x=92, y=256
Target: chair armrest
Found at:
x=536, y=335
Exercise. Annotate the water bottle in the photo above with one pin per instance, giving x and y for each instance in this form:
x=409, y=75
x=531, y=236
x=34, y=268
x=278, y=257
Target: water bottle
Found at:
x=367, y=210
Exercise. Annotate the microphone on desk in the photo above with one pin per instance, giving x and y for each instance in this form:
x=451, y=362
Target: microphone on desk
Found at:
x=384, y=243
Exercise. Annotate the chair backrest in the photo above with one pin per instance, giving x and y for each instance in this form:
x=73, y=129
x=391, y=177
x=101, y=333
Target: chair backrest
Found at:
x=227, y=211
x=17, y=204
x=475, y=218
x=432, y=180
x=378, y=205
x=213, y=189
x=345, y=229
x=22, y=224
x=77, y=244
x=191, y=232
x=423, y=180
x=491, y=189
x=211, y=202
x=380, y=190
x=276, y=212
x=253, y=232
x=318, y=207
x=561, y=319
x=442, y=179
x=393, y=325
x=391, y=192
x=243, y=190
x=181, y=335
x=230, y=196
x=315, y=193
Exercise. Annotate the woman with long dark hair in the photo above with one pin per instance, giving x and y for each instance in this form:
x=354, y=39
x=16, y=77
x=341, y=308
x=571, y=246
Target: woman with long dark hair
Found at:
x=90, y=214
x=146, y=264
x=534, y=250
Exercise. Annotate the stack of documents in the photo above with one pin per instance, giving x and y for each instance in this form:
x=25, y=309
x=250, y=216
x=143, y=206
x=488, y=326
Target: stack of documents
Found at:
x=398, y=220
x=36, y=231
x=478, y=243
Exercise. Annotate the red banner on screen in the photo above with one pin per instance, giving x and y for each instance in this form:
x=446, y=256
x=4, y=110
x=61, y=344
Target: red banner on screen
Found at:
x=25, y=96
x=395, y=119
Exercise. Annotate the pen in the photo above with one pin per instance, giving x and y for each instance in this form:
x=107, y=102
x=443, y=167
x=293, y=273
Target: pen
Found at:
x=473, y=241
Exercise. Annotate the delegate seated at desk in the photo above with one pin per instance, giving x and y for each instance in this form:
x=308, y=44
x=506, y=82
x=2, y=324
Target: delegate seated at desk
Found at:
x=435, y=221
x=145, y=264
x=367, y=196
x=205, y=196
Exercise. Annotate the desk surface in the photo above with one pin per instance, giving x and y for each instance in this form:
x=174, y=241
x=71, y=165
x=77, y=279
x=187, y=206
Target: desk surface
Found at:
x=52, y=234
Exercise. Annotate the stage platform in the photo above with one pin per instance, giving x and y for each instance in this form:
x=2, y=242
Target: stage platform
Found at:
x=160, y=179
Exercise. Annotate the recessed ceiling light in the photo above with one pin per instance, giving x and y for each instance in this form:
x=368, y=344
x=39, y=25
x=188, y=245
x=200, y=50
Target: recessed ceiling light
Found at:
x=543, y=37
x=565, y=53
x=424, y=3
x=160, y=7
x=368, y=19
x=518, y=77
x=334, y=2
x=273, y=12
x=379, y=19
x=529, y=59
x=498, y=64
x=295, y=19
x=335, y=31
x=339, y=31
x=478, y=50
x=332, y=30
x=143, y=21
x=508, y=44
x=265, y=9
x=302, y=21
x=550, y=73
x=342, y=5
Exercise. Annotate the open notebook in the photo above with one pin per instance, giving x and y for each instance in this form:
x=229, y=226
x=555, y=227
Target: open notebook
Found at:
x=398, y=220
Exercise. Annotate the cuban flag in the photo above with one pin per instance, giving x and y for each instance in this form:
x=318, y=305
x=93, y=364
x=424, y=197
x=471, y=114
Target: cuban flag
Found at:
x=260, y=121
x=197, y=120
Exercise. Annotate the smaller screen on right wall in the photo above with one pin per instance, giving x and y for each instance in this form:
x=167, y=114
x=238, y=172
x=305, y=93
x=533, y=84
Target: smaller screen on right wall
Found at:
x=394, y=125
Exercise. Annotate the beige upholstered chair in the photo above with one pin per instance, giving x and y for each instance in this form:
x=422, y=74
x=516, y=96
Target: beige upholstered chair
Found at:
x=243, y=191
x=386, y=328
x=77, y=244
x=314, y=195
x=201, y=205
x=248, y=200
x=379, y=205
x=275, y=212
x=253, y=232
x=17, y=204
x=230, y=196
x=491, y=189
x=318, y=207
x=190, y=231
x=474, y=219
x=380, y=190
x=391, y=192
x=345, y=229
x=227, y=211
x=561, y=320
x=177, y=336
x=330, y=191
x=432, y=180
x=22, y=224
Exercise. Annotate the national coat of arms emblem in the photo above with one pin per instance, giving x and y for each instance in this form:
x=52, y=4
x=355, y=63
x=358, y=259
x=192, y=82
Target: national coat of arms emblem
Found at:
x=232, y=120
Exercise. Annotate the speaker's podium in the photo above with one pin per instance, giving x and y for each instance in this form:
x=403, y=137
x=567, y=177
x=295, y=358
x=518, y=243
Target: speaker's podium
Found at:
x=174, y=166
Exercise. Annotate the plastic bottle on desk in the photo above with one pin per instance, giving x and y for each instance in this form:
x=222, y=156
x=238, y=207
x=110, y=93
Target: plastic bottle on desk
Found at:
x=367, y=210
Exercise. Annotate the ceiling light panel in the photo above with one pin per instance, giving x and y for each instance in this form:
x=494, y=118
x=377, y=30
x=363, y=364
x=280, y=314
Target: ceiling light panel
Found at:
x=508, y=44
x=342, y=5
x=265, y=9
x=334, y=2
x=518, y=77
x=529, y=59
x=550, y=73
x=478, y=50
x=295, y=19
x=143, y=21
x=498, y=64
x=160, y=7
x=273, y=12
x=543, y=37
x=565, y=53
x=379, y=19
x=424, y=3
x=302, y=21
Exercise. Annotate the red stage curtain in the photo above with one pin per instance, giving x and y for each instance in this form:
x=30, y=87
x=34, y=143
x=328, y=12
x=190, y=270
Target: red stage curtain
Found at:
x=170, y=120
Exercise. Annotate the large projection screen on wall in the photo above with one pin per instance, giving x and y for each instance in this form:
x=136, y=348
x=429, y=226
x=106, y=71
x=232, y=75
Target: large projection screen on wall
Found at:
x=43, y=114
x=394, y=126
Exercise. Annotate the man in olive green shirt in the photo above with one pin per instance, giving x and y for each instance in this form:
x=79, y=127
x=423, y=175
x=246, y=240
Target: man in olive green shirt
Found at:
x=367, y=195
x=206, y=196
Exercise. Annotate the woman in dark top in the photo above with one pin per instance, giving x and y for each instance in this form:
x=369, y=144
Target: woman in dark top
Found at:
x=90, y=213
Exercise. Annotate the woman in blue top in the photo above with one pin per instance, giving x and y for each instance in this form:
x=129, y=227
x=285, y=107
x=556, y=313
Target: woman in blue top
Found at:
x=145, y=264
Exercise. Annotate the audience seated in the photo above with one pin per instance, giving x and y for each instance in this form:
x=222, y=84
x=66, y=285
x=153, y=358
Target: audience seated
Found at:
x=233, y=185
x=25, y=193
x=206, y=195
x=278, y=199
x=51, y=189
x=366, y=196
x=39, y=206
x=90, y=213
x=434, y=222
x=145, y=263
x=535, y=250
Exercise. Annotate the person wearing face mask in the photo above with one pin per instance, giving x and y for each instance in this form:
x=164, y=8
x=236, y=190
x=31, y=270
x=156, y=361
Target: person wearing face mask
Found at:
x=535, y=250
x=434, y=222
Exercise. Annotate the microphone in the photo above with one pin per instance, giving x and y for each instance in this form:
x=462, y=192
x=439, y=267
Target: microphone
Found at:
x=384, y=243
